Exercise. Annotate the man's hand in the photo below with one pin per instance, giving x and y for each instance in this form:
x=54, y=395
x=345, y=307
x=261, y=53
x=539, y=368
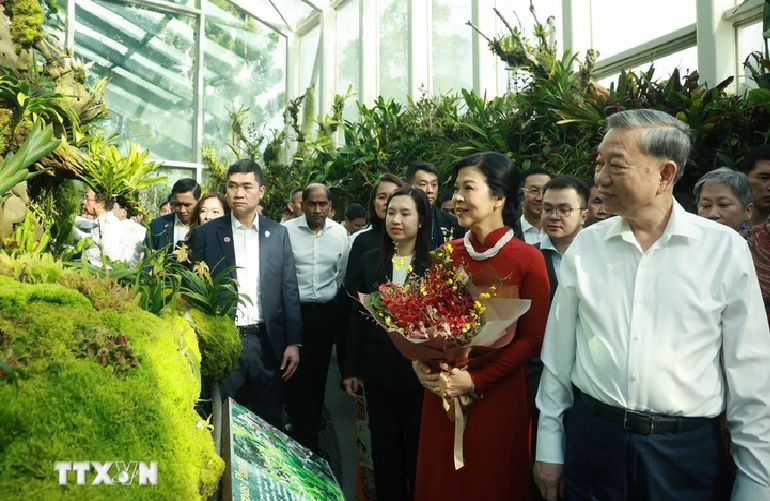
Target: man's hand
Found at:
x=549, y=478
x=290, y=361
x=428, y=378
x=351, y=386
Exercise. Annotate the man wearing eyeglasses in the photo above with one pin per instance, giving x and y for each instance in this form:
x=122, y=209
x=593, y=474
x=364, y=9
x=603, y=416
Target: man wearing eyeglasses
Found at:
x=532, y=183
x=565, y=202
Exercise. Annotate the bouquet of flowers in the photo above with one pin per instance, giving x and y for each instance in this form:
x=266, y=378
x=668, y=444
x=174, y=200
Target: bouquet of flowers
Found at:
x=448, y=316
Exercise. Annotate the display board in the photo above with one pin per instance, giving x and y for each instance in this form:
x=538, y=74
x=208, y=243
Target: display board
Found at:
x=263, y=464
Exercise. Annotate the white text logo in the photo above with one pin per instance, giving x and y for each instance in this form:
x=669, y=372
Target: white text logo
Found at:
x=109, y=473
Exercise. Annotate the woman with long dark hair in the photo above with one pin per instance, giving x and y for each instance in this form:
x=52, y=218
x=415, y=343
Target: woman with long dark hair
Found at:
x=393, y=393
x=364, y=240
x=496, y=439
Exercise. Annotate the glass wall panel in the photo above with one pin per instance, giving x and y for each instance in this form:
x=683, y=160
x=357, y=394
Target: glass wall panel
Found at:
x=150, y=58
x=615, y=30
x=310, y=66
x=293, y=11
x=686, y=60
x=244, y=65
x=452, y=50
x=349, y=55
x=394, y=47
x=749, y=40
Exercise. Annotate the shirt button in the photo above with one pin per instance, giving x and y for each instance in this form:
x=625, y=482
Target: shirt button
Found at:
x=636, y=378
x=641, y=301
x=638, y=338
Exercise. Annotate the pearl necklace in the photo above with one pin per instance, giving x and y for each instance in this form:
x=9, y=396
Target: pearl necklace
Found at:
x=481, y=256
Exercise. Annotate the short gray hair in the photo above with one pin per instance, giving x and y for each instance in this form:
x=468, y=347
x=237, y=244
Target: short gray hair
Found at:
x=663, y=136
x=737, y=181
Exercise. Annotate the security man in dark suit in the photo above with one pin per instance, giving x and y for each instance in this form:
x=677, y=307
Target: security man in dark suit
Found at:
x=269, y=324
x=174, y=227
x=424, y=176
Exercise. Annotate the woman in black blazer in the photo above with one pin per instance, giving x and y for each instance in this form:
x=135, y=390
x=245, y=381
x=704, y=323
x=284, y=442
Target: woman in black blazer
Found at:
x=393, y=393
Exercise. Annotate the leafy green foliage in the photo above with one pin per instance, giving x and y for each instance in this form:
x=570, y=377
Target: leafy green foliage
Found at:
x=214, y=295
x=38, y=144
x=108, y=172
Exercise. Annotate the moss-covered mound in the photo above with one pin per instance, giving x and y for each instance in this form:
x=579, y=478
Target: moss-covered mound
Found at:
x=98, y=385
x=219, y=344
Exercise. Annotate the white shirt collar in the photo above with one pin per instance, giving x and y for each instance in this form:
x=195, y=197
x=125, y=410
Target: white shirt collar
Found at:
x=679, y=225
x=546, y=244
x=525, y=226
x=178, y=222
x=302, y=223
x=237, y=224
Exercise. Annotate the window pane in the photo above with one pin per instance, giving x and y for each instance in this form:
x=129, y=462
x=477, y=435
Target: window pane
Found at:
x=349, y=56
x=394, y=44
x=308, y=53
x=150, y=58
x=452, y=51
x=293, y=11
x=686, y=60
x=244, y=68
x=615, y=30
x=749, y=40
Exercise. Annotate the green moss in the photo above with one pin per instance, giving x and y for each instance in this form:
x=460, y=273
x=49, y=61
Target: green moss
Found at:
x=26, y=22
x=14, y=295
x=219, y=343
x=5, y=130
x=71, y=408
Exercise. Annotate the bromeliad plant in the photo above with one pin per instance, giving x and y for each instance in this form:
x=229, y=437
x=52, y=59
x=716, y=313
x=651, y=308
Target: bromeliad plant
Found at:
x=214, y=295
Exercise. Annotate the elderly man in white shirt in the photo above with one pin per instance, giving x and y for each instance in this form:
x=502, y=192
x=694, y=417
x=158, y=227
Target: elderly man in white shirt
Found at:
x=320, y=248
x=657, y=328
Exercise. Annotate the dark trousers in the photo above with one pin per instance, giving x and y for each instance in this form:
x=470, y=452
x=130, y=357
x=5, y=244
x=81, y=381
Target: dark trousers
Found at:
x=345, y=307
x=306, y=390
x=604, y=462
x=255, y=381
x=394, y=425
x=534, y=372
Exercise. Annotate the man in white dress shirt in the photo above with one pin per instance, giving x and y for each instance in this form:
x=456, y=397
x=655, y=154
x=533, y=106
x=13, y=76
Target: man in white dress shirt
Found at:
x=269, y=323
x=532, y=182
x=320, y=248
x=656, y=329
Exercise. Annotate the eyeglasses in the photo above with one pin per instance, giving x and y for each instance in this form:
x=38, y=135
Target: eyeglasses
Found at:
x=561, y=211
x=532, y=191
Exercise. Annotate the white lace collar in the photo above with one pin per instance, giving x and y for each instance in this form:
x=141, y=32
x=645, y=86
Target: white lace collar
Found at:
x=481, y=256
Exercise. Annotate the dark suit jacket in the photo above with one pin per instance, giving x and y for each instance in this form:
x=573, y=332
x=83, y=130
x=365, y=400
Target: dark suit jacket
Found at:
x=371, y=355
x=447, y=224
x=213, y=243
x=161, y=232
x=552, y=277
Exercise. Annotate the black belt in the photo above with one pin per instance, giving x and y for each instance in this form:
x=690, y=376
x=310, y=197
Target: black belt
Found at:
x=641, y=422
x=252, y=330
x=318, y=306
